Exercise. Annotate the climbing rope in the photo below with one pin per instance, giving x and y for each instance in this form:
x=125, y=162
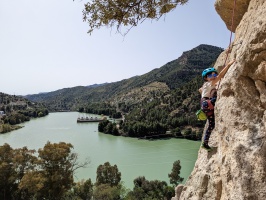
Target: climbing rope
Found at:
x=231, y=34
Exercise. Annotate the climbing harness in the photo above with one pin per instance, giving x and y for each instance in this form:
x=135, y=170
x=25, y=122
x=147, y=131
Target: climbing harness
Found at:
x=206, y=110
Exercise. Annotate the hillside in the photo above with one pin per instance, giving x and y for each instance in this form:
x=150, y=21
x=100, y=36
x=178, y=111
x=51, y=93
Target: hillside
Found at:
x=174, y=74
x=16, y=109
x=164, y=110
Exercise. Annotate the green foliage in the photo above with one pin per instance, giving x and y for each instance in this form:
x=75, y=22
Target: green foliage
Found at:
x=150, y=190
x=54, y=176
x=192, y=134
x=108, y=192
x=169, y=192
x=13, y=165
x=102, y=125
x=177, y=132
x=18, y=110
x=7, y=179
x=141, y=129
x=108, y=184
x=174, y=176
x=188, y=132
x=119, y=13
x=83, y=189
x=49, y=175
x=108, y=127
x=15, y=118
x=107, y=174
x=40, y=114
x=4, y=128
x=101, y=109
x=176, y=109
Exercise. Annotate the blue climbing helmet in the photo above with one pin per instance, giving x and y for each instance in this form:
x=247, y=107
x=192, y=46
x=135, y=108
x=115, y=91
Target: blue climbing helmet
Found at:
x=207, y=71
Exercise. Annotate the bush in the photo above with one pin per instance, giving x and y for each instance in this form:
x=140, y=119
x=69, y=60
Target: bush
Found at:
x=40, y=114
x=4, y=128
x=177, y=132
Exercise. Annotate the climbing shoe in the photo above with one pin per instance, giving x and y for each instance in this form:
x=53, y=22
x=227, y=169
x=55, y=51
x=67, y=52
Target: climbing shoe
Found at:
x=206, y=146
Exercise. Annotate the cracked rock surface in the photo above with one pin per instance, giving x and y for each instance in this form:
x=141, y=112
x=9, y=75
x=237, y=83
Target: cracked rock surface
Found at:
x=236, y=168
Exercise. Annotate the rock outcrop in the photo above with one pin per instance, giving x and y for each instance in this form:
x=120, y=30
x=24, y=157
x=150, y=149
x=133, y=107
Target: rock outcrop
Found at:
x=236, y=168
x=226, y=8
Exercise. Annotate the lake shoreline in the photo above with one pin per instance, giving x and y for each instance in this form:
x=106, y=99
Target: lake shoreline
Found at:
x=134, y=157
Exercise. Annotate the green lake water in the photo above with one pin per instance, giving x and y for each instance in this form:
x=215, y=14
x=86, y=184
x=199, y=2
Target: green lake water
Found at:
x=152, y=159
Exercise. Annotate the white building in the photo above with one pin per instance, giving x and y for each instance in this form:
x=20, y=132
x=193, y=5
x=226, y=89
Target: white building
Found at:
x=2, y=113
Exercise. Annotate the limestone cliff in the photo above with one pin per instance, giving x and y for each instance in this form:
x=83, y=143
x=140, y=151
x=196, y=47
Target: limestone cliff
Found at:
x=225, y=9
x=236, y=168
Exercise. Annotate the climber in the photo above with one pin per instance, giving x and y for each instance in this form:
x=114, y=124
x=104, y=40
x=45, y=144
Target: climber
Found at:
x=208, y=98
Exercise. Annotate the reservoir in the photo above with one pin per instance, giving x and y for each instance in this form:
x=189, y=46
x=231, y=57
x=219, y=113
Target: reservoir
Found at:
x=150, y=158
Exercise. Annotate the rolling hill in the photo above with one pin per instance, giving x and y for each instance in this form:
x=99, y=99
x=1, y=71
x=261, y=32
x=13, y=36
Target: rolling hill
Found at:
x=173, y=74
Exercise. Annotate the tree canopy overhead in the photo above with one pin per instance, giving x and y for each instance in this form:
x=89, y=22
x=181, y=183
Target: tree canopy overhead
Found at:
x=128, y=13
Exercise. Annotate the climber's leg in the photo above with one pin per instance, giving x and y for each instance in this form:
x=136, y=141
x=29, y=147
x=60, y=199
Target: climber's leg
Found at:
x=211, y=125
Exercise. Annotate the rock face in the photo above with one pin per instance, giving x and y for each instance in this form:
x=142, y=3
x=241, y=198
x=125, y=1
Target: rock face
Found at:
x=236, y=168
x=225, y=9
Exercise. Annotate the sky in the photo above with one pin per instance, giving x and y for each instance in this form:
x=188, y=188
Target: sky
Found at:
x=44, y=44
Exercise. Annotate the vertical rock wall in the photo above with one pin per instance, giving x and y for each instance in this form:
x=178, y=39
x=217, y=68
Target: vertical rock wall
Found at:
x=236, y=168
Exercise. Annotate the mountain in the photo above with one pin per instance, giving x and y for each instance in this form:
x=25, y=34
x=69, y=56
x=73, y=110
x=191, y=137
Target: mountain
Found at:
x=96, y=85
x=174, y=74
